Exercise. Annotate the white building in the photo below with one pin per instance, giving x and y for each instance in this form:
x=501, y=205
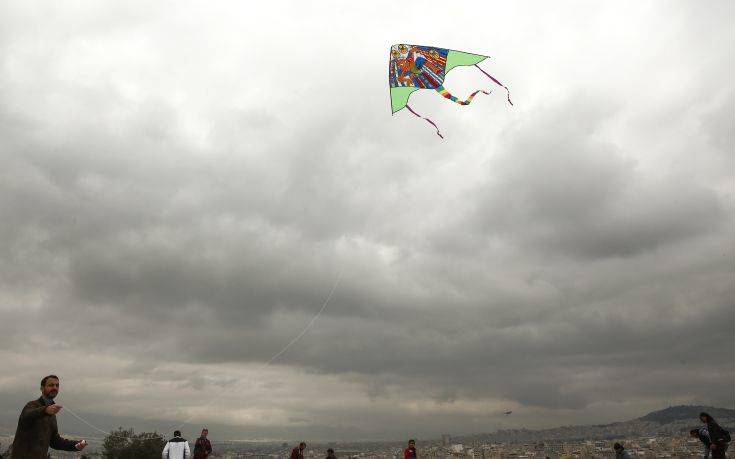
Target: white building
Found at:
x=457, y=449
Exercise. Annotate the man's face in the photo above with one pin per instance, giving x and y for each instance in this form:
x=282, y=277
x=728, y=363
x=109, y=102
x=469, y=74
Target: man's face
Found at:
x=204, y=433
x=302, y=446
x=411, y=444
x=51, y=388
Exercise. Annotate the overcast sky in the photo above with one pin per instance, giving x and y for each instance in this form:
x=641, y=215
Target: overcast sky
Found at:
x=182, y=183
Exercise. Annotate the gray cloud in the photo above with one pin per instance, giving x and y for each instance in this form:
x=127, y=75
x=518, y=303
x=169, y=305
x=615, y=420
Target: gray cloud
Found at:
x=560, y=188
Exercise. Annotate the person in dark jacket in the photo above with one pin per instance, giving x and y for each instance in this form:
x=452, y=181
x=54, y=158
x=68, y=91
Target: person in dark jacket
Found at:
x=330, y=454
x=703, y=436
x=620, y=452
x=411, y=452
x=202, y=447
x=718, y=436
x=37, y=429
x=298, y=452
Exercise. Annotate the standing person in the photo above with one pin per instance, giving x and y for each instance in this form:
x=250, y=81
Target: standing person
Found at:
x=703, y=436
x=37, y=429
x=411, y=452
x=176, y=448
x=330, y=454
x=620, y=452
x=202, y=447
x=298, y=452
x=719, y=437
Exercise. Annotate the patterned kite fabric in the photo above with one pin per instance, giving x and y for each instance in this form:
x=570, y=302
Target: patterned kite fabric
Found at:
x=415, y=67
x=441, y=90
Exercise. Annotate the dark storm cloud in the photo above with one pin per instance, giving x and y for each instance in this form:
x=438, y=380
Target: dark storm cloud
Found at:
x=562, y=189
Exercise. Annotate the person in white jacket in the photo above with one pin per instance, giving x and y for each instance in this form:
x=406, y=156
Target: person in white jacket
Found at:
x=176, y=448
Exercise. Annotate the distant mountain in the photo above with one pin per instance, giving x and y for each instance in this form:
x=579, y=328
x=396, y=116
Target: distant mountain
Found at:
x=687, y=413
x=675, y=420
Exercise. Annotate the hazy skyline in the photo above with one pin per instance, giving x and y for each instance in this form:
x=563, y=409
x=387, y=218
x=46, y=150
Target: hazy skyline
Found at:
x=183, y=182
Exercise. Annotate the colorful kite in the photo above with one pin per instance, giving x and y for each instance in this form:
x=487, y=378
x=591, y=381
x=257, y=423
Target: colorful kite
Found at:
x=414, y=67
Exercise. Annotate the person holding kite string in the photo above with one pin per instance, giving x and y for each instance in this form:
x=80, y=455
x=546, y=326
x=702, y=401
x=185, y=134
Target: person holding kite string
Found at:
x=37, y=428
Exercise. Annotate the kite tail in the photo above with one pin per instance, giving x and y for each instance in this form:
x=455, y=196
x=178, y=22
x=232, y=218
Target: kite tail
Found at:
x=427, y=119
x=441, y=90
x=496, y=82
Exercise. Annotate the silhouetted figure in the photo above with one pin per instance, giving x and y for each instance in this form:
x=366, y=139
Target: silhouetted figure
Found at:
x=202, y=447
x=37, y=429
x=330, y=454
x=176, y=448
x=719, y=437
x=298, y=452
x=620, y=452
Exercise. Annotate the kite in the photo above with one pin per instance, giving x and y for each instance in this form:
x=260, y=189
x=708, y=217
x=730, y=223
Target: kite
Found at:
x=414, y=67
x=508, y=413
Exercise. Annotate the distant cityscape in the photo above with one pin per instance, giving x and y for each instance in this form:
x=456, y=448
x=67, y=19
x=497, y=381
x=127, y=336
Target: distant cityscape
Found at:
x=661, y=434
x=656, y=447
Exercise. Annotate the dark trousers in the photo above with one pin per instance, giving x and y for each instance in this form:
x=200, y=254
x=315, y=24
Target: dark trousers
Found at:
x=719, y=452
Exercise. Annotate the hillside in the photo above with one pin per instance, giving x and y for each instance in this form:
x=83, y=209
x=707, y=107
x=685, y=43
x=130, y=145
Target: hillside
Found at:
x=686, y=412
x=677, y=420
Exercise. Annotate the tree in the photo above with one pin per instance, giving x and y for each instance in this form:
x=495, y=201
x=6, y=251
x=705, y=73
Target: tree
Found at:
x=126, y=444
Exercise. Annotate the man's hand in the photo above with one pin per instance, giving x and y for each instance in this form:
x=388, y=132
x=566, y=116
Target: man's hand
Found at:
x=81, y=445
x=53, y=409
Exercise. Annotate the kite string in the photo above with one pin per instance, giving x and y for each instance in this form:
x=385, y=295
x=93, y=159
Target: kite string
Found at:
x=67, y=409
x=267, y=363
x=427, y=119
x=285, y=348
x=496, y=82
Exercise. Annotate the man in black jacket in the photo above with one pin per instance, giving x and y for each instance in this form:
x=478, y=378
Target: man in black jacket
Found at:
x=719, y=437
x=37, y=429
